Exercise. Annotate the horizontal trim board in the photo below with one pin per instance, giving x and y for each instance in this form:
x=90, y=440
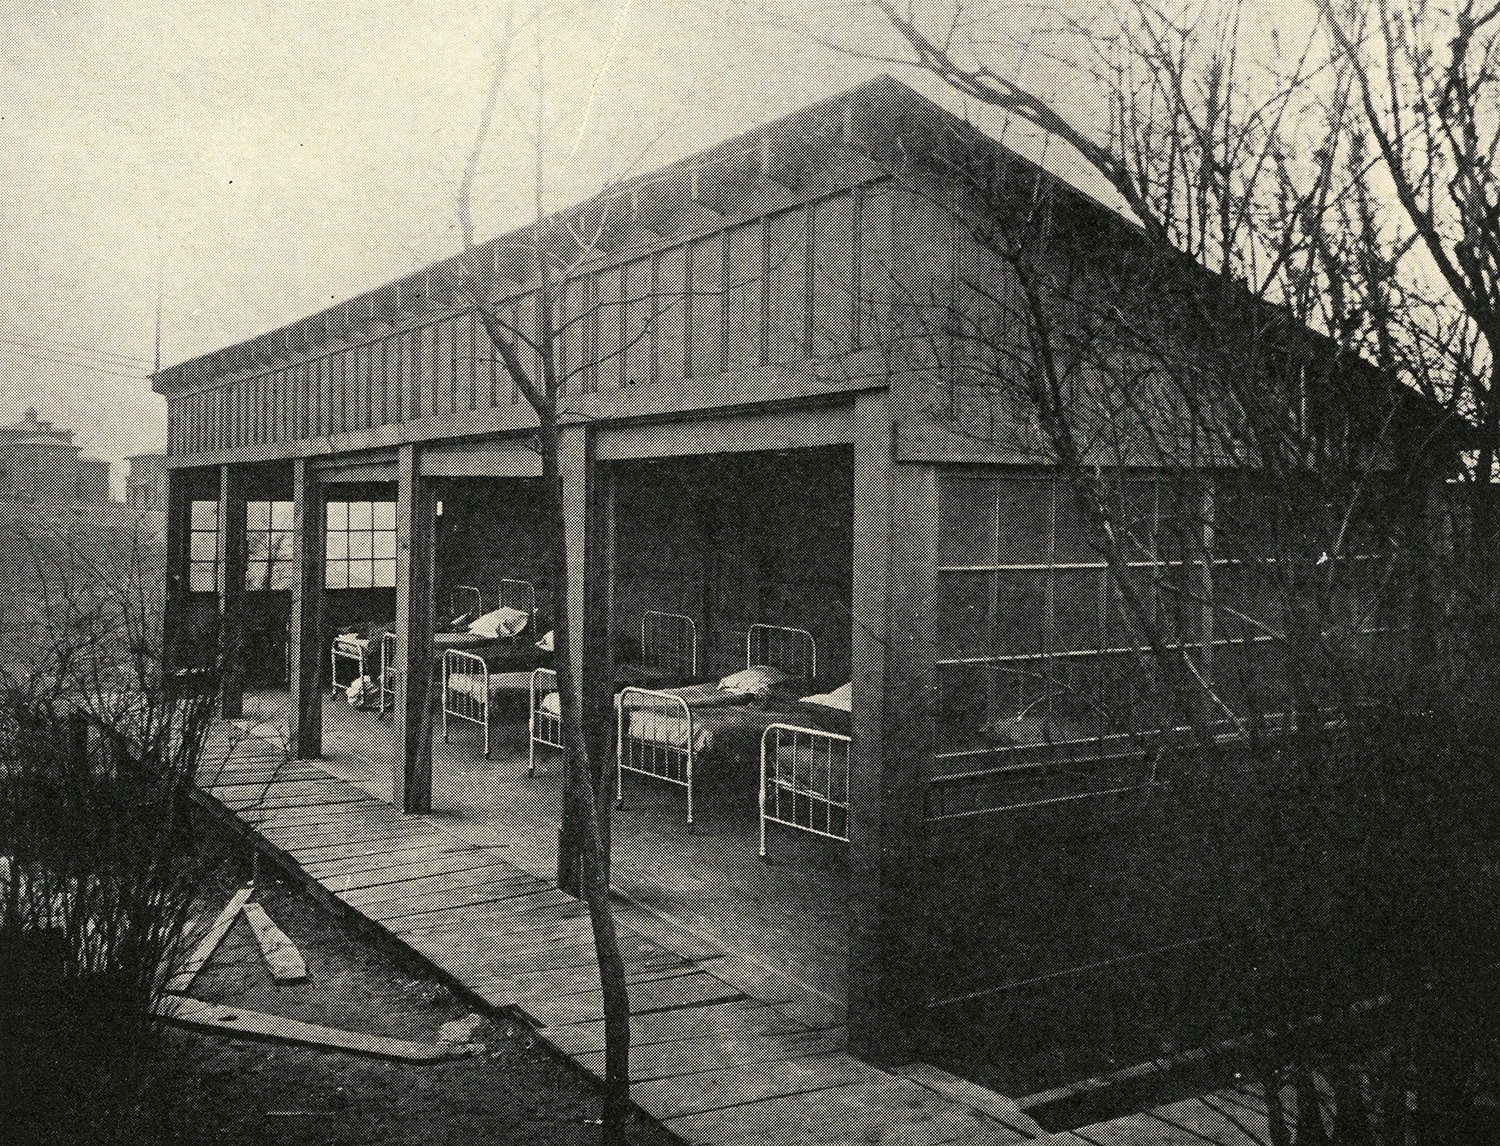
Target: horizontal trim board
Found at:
x=773, y=430
x=498, y=460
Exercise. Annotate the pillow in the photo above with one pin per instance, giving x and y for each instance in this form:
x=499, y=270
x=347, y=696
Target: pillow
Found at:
x=757, y=680
x=503, y=622
x=839, y=698
x=545, y=644
x=551, y=704
x=461, y=623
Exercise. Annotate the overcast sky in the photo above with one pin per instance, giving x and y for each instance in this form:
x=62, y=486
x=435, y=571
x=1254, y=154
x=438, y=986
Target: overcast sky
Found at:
x=269, y=159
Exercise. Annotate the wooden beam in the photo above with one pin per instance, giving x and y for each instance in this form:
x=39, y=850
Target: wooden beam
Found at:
x=306, y=717
x=231, y=592
x=777, y=430
x=414, y=648
x=894, y=522
x=587, y=524
x=283, y=960
x=236, y=1021
x=210, y=941
x=508, y=459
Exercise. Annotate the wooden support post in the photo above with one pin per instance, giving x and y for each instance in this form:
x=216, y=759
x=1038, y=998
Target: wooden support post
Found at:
x=895, y=514
x=415, y=511
x=176, y=586
x=588, y=525
x=307, y=613
x=231, y=592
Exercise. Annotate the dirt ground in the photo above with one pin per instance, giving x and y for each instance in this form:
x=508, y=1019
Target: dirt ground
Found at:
x=216, y=1089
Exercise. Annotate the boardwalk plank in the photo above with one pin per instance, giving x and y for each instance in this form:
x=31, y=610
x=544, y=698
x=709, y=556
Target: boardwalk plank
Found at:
x=896, y=1112
x=643, y=959
x=1237, y=1128
x=515, y=923
x=737, y=1085
x=393, y=865
x=710, y=1052
x=737, y=1018
x=430, y=883
x=1138, y=1130
x=442, y=901
x=693, y=990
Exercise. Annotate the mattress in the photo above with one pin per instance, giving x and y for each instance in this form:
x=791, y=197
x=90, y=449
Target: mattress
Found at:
x=472, y=684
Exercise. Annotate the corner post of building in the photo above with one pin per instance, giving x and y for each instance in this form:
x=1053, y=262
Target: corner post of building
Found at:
x=175, y=583
x=588, y=529
x=232, y=559
x=415, y=561
x=893, y=574
x=306, y=731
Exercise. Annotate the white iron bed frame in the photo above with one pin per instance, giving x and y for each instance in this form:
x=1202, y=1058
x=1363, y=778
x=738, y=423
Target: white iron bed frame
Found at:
x=672, y=758
x=462, y=704
x=461, y=598
x=791, y=792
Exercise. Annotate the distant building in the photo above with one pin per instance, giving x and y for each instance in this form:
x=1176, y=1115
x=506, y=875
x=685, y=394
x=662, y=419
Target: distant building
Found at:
x=146, y=481
x=39, y=462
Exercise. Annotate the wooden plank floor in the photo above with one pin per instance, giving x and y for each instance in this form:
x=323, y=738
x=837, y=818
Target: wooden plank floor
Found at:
x=723, y=1052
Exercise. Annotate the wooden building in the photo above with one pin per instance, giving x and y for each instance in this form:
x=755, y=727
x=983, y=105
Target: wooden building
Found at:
x=753, y=431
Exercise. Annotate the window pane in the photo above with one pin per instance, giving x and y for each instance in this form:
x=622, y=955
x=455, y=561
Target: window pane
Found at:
x=359, y=515
x=257, y=575
x=1025, y=521
x=962, y=623
x=281, y=515
x=384, y=515
x=787, y=286
x=281, y=546
x=1071, y=532
x=383, y=544
x=283, y=575
x=257, y=546
x=338, y=515
x=966, y=529
x=361, y=544
x=1021, y=614
x=205, y=515
x=203, y=546
x=385, y=574
x=963, y=708
x=257, y=515
x=1075, y=609
x=201, y=578
x=359, y=575
x=338, y=546
x=337, y=575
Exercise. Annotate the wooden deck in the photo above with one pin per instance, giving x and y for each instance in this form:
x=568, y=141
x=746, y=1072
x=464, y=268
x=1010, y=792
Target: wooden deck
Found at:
x=726, y=1048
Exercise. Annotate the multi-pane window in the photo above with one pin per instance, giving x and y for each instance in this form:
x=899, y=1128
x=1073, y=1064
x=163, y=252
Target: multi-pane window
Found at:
x=203, y=547
x=268, y=545
x=361, y=545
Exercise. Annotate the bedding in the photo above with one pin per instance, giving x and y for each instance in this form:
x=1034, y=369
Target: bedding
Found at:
x=471, y=684
x=725, y=724
x=502, y=623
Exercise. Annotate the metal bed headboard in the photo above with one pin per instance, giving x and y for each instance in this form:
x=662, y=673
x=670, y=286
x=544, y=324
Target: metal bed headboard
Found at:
x=669, y=641
x=518, y=594
x=792, y=651
x=463, y=600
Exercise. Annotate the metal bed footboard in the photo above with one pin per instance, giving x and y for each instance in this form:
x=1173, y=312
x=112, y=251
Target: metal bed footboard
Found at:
x=387, y=672
x=792, y=650
x=804, y=781
x=669, y=642
x=542, y=727
x=458, y=704
x=359, y=654
x=659, y=756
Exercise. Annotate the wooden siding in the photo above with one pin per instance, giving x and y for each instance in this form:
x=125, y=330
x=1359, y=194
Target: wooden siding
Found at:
x=779, y=291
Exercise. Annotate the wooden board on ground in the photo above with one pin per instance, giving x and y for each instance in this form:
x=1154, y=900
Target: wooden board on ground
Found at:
x=529, y=1001
x=736, y=1085
x=422, y=885
x=575, y=979
x=282, y=958
x=515, y=923
x=710, y=1052
x=210, y=941
x=235, y=1022
x=889, y=1112
x=506, y=967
